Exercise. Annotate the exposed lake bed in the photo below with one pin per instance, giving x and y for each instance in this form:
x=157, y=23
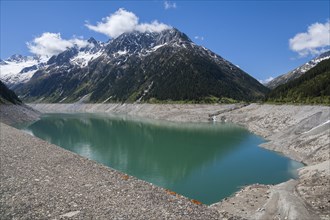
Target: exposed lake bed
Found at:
x=202, y=161
x=304, y=198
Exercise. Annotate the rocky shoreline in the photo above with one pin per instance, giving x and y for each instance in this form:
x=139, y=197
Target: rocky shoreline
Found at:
x=303, y=134
x=11, y=114
x=299, y=132
x=40, y=180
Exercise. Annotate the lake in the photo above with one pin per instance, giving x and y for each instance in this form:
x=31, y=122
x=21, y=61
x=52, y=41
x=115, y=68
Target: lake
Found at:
x=202, y=161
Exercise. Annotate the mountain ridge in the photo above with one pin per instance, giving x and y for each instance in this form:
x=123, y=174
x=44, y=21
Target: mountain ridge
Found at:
x=139, y=67
x=297, y=72
x=313, y=87
x=7, y=96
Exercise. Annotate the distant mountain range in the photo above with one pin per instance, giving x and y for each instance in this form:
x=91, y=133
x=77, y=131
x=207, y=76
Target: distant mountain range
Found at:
x=18, y=69
x=296, y=73
x=311, y=87
x=134, y=67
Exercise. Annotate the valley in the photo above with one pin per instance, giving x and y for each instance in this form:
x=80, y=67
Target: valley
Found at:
x=303, y=129
x=151, y=121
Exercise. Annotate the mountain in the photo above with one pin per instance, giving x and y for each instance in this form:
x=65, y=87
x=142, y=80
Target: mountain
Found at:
x=312, y=87
x=18, y=69
x=7, y=96
x=296, y=73
x=2, y=62
x=138, y=67
x=76, y=56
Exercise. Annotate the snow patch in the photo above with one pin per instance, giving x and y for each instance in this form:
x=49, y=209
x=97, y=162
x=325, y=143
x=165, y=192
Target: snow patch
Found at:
x=327, y=122
x=151, y=50
x=145, y=92
x=158, y=46
x=122, y=52
x=63, y=99
x=265, y=81
x=107, y=99
x=83, y=58
x=10, y=73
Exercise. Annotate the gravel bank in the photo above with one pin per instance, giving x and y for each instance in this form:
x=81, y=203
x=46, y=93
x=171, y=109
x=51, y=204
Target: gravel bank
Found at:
x=300, y=132
x=42, y=181
x=11, y=114
x=169, y=112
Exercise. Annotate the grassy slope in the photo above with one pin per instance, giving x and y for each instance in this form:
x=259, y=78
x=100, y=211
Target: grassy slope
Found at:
x=311, y=88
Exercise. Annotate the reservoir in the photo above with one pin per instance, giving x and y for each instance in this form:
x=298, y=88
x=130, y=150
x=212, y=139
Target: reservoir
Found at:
x=202, y=161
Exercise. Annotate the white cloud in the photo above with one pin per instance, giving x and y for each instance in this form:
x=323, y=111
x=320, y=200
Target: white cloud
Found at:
x=314, y=41
x=49, y=44
x=199, y=38
x=169, y=5
x=79, y=42
x=123, y=21
x=155, y=26
x=117, y=23
x=266, y=80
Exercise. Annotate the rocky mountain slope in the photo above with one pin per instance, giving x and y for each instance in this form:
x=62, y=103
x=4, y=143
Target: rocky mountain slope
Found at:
x=139, y=67
x=296, y=73
x=311, y=87
x=7, y=96
x=19, y=69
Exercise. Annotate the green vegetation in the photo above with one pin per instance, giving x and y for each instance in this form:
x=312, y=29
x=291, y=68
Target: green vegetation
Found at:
x=184, y=75
x=7, y=96
x=311, y=88
x=205, y=100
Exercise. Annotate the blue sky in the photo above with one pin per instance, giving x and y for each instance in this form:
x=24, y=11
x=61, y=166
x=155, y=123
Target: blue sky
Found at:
x=251, y=34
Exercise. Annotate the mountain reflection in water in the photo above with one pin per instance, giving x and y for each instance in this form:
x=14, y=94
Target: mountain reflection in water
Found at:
x=203, y=161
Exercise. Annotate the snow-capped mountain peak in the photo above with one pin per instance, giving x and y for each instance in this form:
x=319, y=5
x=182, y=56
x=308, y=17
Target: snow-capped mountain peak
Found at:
x=78, y=56
x=82, y=58
x=91, y=40
x=2, y=62
x=18, y=69
x=136, y=42
x=294, y=74
x=18, y=58
x=138, y=52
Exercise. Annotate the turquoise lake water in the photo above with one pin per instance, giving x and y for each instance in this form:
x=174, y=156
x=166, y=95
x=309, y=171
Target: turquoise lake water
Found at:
x=202, y=161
